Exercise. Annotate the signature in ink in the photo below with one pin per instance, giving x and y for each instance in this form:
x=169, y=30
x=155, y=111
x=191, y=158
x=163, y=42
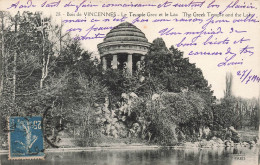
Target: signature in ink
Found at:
x=228, y=60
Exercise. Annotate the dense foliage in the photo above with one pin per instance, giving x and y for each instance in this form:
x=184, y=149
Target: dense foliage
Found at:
x=166, y=101
x=45, y=68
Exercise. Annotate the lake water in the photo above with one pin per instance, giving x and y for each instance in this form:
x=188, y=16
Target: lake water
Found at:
x=195, y=156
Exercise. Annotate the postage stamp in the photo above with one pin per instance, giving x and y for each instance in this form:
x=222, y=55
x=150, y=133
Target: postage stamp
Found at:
x=25, y=138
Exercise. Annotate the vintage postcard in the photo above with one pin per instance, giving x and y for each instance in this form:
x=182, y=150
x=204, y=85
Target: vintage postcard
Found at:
x=129, y=82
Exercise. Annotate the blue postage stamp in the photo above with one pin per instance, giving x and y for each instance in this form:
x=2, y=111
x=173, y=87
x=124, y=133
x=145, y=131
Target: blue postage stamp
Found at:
x=26, y=138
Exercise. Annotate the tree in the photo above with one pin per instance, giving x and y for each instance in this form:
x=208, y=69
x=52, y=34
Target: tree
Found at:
x=174, y=72
x=2, y=55
x=185, y=101
x=173, y=117
x=78, y=92
x=229, y=79
x=235, y=111
x=171, y=72
x=50, y=70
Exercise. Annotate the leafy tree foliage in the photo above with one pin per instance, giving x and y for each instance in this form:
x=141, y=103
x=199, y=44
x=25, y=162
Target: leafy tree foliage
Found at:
x=70, y=79
x=235, y=111
x=174, y=73
x=45, y=68
x=186, y=98
x=173, y=117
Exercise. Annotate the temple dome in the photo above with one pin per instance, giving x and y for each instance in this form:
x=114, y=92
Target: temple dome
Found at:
x=124, y=38
x=125, y=32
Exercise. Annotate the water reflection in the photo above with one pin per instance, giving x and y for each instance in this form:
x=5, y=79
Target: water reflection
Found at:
x=193, y=156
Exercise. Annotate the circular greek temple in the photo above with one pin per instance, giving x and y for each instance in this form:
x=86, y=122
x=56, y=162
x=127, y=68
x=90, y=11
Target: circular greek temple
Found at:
x=123, y=47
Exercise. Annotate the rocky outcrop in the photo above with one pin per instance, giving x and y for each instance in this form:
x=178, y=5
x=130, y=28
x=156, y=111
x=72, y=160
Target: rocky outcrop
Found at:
x=120, y=121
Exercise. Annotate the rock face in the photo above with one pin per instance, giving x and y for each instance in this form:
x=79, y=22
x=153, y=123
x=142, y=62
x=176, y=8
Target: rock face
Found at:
x=155, y=96
x=234, y=134
x=120, y=122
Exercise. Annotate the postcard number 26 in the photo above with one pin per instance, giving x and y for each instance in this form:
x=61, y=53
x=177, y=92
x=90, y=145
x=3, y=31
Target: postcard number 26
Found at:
x=37, y=125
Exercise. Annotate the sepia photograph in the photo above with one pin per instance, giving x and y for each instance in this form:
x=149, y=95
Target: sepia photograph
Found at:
x=108, y=82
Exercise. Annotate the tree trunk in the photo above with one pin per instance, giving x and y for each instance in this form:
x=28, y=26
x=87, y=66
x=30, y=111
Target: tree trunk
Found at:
x=45, y=64
x=1, y=70
x=74, y=131
x=45, y=60
x=14, y=76
x=14, y=63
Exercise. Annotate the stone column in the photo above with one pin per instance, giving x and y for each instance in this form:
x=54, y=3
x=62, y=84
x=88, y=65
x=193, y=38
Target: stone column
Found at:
x=114, y=62
x=129, y=63
x=104, y=62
